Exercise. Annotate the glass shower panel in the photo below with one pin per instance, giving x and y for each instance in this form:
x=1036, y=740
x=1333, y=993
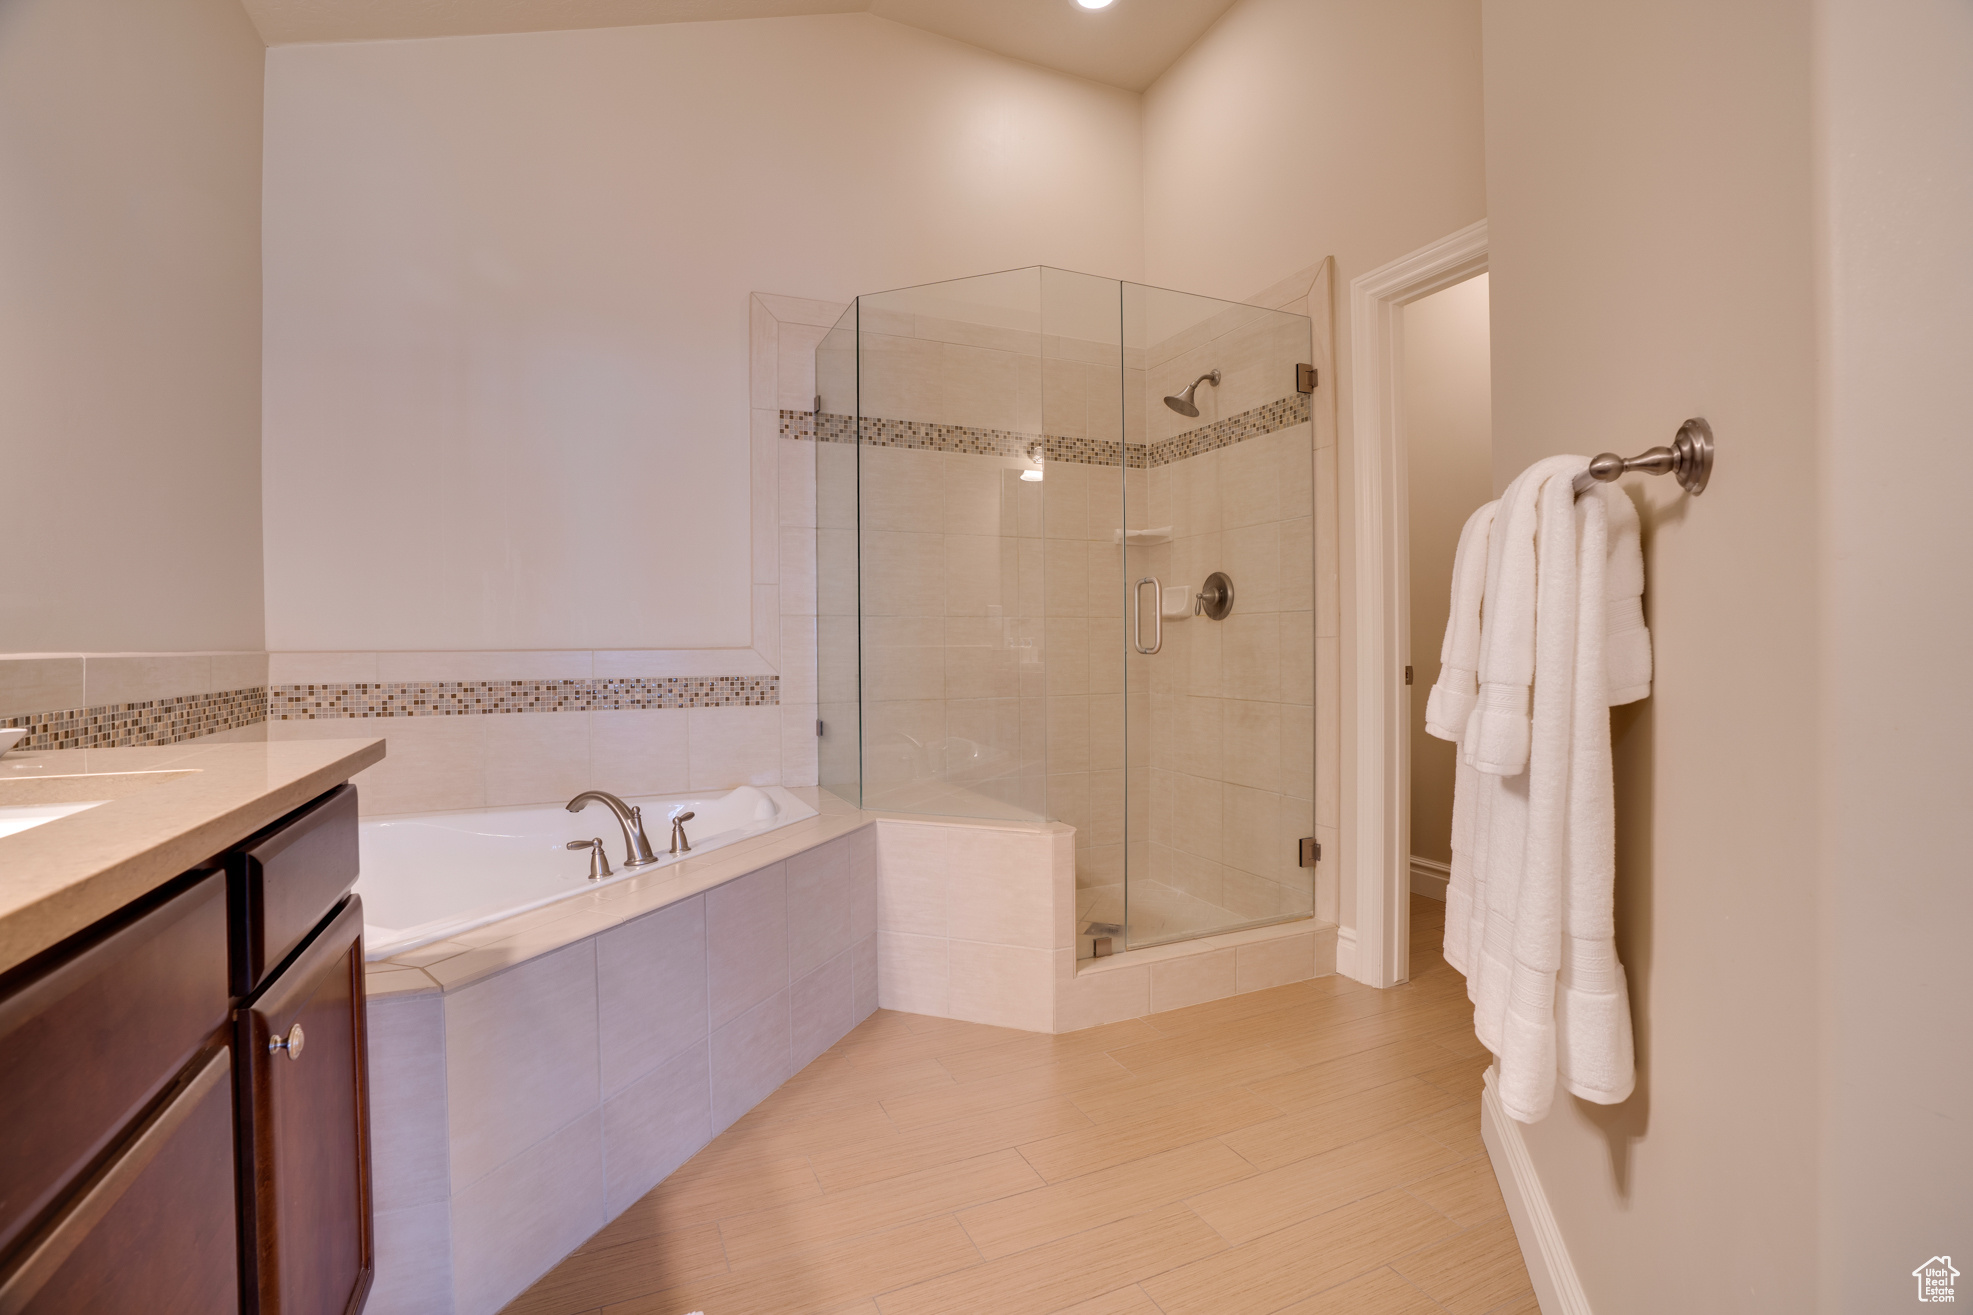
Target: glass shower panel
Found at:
x=950, y=403
x=832, y=426
x=1220, y=467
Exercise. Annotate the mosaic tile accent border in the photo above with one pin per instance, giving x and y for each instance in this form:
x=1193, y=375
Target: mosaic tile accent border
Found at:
x=1263, y=419
x=468, y=698
x=140, y=725
x=925, y=435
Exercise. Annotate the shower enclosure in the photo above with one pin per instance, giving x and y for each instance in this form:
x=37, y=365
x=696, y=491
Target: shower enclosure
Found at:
x=1065, y=571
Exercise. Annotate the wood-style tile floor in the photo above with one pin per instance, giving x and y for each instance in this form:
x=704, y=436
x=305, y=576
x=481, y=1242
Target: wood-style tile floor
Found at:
x=1309, y=1150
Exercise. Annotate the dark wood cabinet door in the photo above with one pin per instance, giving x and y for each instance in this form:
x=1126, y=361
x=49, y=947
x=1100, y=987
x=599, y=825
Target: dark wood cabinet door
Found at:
x=152, y=1231
x=304, y=1112
x=92, y=1033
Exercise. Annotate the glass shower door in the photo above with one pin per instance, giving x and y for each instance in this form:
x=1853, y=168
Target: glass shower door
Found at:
x=1218, y=574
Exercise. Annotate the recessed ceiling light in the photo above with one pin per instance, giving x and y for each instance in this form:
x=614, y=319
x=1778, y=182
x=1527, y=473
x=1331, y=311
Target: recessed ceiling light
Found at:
x=1095, y=4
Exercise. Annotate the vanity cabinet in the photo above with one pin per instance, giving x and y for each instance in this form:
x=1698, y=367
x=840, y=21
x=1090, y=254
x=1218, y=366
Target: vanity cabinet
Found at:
x=304, y=1128
x=184, y=1123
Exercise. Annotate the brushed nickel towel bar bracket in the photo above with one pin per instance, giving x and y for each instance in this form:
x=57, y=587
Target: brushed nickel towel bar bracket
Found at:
x=1690, y=458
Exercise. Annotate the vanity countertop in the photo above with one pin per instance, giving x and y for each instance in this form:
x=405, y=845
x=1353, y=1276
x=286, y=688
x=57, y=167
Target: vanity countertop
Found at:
x=163, y=811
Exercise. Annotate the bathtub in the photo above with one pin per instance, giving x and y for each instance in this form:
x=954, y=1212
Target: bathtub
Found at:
x=428, y=876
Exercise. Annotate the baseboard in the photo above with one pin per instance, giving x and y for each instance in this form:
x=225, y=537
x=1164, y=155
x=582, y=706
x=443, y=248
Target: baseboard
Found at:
x=1550, y=1270
x=1346, y=952
x=1429, y=879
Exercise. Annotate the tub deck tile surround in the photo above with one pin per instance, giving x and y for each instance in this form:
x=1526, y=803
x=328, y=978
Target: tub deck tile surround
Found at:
x=1102, y=1173
x=665, y=1008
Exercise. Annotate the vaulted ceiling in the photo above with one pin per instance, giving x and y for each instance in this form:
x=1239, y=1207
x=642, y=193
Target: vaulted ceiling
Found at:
x=1126, y=45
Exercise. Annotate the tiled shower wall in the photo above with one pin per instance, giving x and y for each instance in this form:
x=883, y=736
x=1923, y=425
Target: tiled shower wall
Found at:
x=1231, y=772
x=995, y=609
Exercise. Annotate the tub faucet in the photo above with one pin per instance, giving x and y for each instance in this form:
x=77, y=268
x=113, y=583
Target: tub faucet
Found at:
x=636, y=847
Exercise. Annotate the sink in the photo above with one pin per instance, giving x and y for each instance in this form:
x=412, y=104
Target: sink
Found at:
x=25, y=817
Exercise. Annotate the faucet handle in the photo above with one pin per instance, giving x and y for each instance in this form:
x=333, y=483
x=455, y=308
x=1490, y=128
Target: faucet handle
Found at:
x=679, y=844
x=599, y=861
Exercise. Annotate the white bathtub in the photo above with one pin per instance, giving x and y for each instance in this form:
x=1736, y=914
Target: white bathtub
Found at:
x=427, y=876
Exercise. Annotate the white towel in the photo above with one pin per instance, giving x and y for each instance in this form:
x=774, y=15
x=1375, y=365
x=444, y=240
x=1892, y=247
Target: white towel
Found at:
x=1593, y=1046
x=1627, y=644
x=1529, y=910
x=1451, y=700
x=1496, y=739
x=1447, y=709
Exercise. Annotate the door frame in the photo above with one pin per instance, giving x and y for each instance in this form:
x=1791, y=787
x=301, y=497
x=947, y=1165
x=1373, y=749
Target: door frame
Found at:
x=1382, y=766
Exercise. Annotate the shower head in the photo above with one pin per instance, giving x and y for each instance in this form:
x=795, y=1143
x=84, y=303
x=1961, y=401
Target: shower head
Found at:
x=1183, y=403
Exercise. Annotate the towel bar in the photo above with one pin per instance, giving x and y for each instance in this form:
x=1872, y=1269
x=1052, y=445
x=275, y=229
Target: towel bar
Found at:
x=1690, y=458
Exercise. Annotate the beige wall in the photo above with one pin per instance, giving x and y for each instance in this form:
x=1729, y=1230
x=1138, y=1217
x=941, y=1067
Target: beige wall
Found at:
x=1448, y=436
x=507, y=294
x=1350, y=128
x=1896, y=106
x=1649, y=198
x=130, y=326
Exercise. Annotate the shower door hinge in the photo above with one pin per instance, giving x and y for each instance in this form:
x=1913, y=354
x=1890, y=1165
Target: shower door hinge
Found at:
x=818, y=404
x=1305, y=378
x=1407, y=675
x=1311, y=851
x=818, y=728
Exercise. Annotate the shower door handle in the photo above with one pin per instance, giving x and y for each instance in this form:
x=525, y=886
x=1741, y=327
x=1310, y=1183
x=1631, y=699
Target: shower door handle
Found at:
x=1157, y=615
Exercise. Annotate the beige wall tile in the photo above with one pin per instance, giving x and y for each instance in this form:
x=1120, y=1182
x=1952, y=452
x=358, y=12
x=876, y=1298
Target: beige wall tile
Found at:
x=746, y=942
x=982, y=387
x=982, y=573
x=1093, y=999
x=534, y=758
x=821, y=1008
x=913, y=973
x=1252, y=743
x=734, y=746
x=109, y=678
x=321, y=668
x=537, y=664
x=238, y=671
x=751, y=1056
x=911, y=878
x=1000, y=887
x=795, y=465
x=903, y=574
x=514, y=1224
x=820, y=898
x=977, y=499
x=431, y=764
x=795, y=346
x=1193, y=979
x=1276, y=962
x=1252, y=655
x=902, y=489
x=640, y=752
x=800, y=747
x=410, y=1165
x=1253, y=830
x=654, y=1125
x=40, y=684
x=1007, y=986
x=651, y=991
x=414, y=1261
x=1328, y=585
x=1249, y=484
x=521, y=1059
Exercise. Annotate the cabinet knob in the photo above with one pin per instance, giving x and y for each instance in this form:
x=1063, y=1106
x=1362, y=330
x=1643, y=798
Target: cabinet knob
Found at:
x=292, y=1042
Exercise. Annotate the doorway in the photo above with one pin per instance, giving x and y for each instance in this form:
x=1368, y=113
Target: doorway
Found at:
x=1373, y=945
x=1445, y=420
